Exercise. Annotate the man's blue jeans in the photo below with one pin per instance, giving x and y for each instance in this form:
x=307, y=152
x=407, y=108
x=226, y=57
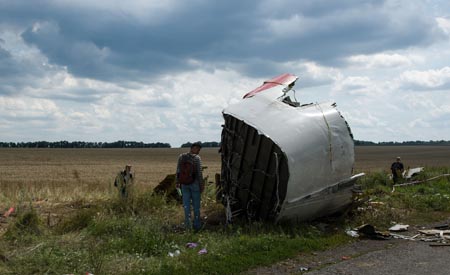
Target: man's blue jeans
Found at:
x=191, y=194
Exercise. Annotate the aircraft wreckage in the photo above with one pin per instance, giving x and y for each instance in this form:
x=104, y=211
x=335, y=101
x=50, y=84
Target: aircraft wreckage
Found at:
x=282, y=160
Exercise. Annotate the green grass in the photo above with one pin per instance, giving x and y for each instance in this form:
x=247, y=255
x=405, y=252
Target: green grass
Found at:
x=422, y=202
x=136, y=236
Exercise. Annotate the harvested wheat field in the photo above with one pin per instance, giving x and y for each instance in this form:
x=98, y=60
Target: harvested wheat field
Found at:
x=380, y=158
x=65, y=175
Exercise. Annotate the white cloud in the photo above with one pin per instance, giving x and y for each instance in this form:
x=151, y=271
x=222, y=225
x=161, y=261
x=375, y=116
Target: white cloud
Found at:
x=429, y=79
x=444, y=24
x=419, y=122
x=357, y=86
x=27, y=108
x=381, y=60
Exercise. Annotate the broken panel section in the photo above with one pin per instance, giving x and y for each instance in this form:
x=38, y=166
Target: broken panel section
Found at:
x=254, y=172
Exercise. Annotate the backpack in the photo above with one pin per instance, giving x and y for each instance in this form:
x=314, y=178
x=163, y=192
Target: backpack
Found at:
x=187, y=169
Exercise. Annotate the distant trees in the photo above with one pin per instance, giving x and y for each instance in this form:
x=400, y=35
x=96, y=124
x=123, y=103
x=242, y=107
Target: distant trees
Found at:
x=204, y=144
x=395, y=143
x=83, y=144
x=140, y=144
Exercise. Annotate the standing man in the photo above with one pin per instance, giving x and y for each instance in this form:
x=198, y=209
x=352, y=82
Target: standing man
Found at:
x=190, y=179
x=123, y=181
x=397, y=170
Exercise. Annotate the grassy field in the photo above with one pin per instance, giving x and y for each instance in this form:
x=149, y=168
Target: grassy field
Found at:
x=68, y=218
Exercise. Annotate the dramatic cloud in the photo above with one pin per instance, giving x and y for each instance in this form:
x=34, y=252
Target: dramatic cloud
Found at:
x=165, y=69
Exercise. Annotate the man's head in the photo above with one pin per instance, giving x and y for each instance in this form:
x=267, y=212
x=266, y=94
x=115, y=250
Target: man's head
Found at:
x=128, y=167
x=398, y=159
x=195, y=147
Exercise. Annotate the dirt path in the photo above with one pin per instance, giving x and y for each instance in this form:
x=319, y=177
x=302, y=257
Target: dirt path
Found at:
x=369, y=257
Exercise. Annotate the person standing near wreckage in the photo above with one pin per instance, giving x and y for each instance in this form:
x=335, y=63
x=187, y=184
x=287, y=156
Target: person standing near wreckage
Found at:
x=189, y=178
x=397, y=170
x=123, y=181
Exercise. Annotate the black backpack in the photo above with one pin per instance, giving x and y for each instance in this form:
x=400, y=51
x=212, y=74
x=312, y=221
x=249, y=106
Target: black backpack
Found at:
x=187, y=169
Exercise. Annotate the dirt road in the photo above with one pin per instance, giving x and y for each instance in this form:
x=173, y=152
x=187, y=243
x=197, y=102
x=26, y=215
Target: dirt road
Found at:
x=369, y=257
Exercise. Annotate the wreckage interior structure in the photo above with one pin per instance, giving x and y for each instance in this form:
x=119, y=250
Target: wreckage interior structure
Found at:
x=284, y=160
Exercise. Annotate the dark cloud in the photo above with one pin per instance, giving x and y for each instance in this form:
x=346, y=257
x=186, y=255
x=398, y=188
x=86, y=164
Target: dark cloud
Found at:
x=8, y=66
x=15, y=75
x=248, y=35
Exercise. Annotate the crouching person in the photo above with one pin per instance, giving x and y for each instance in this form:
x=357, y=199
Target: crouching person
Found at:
x=190, y=179
x=123, y=181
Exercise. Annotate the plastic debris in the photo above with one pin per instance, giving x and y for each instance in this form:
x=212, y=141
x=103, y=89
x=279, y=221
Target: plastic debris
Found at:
x=174, y=254
x=202, y=251
x=352, y=233
x=303, y=268
x=442, y=226
x=344, y=258
x=369, y=231
x=191, y=245
x=431, y=232
x=9, y=212
x=399, y=227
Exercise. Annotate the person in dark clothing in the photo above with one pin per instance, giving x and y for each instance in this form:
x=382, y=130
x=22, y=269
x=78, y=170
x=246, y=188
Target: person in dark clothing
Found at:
x=397, y=170
x=189, y=179
x=123, y=181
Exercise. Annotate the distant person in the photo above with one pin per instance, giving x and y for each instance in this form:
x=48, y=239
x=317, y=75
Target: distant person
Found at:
x=189, y=178
x=397, y=170
x=123, y=181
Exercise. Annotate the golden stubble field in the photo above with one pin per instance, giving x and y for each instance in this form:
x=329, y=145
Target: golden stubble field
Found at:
x=64, y=175
x=61, y=175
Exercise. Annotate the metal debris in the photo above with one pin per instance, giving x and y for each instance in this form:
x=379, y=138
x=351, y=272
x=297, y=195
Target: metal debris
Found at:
x=399, y=227
x=282, y=159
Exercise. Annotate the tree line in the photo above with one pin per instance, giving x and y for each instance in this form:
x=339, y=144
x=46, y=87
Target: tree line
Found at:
x=136, y=144
x=83, y=144
x=204, y=144
x=395, y=143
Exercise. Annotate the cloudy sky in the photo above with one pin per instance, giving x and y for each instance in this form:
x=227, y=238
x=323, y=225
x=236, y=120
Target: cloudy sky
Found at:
x=163, y=70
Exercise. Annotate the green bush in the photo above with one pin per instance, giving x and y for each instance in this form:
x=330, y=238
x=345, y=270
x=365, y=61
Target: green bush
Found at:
x=75, y=222
x=26, y=225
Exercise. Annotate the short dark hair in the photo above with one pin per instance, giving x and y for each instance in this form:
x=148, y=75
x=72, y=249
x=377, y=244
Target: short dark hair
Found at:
x=198, y=144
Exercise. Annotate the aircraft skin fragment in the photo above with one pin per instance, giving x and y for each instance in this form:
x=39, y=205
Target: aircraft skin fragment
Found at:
x=282, y=160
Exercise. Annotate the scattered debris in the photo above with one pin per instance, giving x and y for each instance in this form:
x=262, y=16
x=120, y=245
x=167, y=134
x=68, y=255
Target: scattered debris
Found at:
x=174, y=254
x=369, y=231
x=9, y=212
x=352, y=233
x=442, y=234
x=437, y=236
x=410, y=173
x=418, y=181
x=442, y=226
x=191, y=245
x=302, y=268
x=399, y=228
x=202, y=251
x=344, y=258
